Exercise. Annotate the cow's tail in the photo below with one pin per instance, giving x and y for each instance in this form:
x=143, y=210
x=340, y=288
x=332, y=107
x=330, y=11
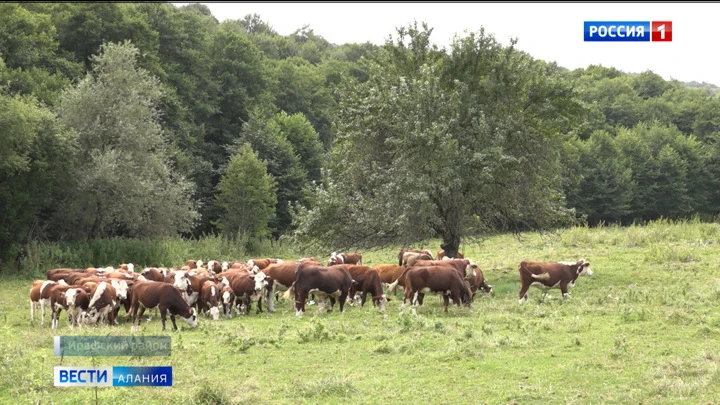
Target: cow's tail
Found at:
x=290, y=292
x=392, y=287
x=543, y=276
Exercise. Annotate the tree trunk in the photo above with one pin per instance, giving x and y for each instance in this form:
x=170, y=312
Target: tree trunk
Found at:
x=451, y=233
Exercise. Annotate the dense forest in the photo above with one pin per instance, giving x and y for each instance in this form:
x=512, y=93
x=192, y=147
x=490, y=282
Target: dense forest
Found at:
x=149, y=120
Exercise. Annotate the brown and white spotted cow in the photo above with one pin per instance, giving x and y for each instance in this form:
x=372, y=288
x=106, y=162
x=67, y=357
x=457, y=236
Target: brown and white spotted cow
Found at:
x=439, y=280
x=74, y=300
x=39, y=296
x=332, y=282
x=214, y=266
x=441, y=255
x=227, y=299
x=249, y=288
x=164, y=296
x=210, y=299
x=102, y=304
x=345, y=258
x=404, y=250
x=409, y=258
x=549, y=275
x=262, y=263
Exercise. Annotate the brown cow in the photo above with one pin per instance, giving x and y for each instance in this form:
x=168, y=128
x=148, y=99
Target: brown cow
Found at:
x=436, y=279
x=546, y=276
x=151, y=294
x=371, y=283
x=283, y=275
x=332, y=282
x=441, y=255
x=345, y=258
x=262, y=263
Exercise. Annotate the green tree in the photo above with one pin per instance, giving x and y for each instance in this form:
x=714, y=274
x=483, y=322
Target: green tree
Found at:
x=35, y=158
x=246, y=195
x=444, y=144
x=266, y=136
x=606, y=189
x=125, y=184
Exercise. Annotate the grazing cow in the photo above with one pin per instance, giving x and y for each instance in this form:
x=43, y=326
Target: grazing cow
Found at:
x=151, y=294
x=441, y=255
x=477, y=282
x=546, y=276
x=438, y=280
x=345, y=258
x=403, y=251
x=371, y=283
x=331, y=282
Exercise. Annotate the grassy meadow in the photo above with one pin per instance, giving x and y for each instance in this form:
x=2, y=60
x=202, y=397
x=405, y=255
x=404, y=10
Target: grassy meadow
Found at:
x=643, y=329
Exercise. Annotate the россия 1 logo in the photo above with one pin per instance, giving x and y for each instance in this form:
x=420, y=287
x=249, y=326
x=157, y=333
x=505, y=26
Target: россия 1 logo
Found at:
x=628, y=31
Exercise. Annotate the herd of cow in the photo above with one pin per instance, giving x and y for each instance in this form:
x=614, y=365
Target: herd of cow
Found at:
x=95, y=295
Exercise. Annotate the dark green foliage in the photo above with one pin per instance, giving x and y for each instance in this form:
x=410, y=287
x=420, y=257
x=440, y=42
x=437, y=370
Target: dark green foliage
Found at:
x=521, y=141
x=247, y=196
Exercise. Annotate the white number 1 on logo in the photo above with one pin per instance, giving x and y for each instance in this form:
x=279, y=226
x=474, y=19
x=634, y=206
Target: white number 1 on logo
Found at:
x=661, y=28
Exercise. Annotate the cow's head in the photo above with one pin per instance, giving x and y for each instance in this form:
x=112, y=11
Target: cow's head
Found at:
x=192, y=319
x=181, y=281
x=261, y=281
x=121, y=288
x=224, y=266
x=380, y=302
x=583, y=268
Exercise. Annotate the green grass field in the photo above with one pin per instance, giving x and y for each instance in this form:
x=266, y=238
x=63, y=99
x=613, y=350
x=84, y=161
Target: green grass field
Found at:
x=643, y=329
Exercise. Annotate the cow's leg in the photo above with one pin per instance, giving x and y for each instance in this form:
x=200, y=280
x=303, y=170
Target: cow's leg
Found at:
x=172, y=319
x=259, y=306
x=523, y=293
x=137, y=316
x=564, y=289
x=269, y=300
x=163, y=316
x=420, y=298
x=111, y=317
x=446, y=301
x=300, y=297
x=42, y=312
x=343, y=296
x=32, y=311
x=332, y=302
